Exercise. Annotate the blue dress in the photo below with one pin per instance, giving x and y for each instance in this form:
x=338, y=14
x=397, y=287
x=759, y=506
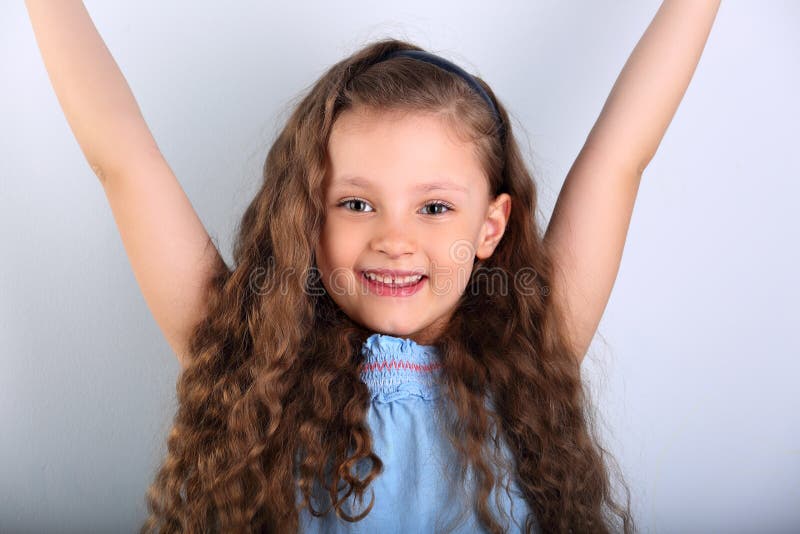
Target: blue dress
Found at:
x=417, y=491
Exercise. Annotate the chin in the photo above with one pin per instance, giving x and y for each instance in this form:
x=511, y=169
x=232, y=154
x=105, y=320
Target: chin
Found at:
x=394, y=329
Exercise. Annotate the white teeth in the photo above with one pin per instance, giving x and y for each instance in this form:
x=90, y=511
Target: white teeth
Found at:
x=396, y=281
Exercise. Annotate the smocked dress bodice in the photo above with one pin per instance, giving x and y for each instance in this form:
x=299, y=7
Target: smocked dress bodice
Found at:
x=418, y=490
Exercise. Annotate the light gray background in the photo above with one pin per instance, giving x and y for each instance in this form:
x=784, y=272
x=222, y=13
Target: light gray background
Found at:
x=695, y=366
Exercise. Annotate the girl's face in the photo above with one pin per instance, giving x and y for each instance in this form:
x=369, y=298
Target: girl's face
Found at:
x=383, y=212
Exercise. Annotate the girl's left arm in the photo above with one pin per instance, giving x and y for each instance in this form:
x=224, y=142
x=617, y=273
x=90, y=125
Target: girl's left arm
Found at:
x=587, y=230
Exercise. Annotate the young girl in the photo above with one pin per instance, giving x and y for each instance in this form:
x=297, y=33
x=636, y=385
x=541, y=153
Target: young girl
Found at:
x=397, y=346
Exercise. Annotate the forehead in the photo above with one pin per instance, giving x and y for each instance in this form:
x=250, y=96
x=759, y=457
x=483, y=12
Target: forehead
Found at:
x=414, y=150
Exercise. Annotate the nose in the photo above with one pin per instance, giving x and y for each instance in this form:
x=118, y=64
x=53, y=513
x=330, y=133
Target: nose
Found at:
x=394, y=237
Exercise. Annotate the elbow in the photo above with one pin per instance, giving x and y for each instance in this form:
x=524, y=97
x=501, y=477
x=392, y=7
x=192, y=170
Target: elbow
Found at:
x=99, y=171
x=643, y=163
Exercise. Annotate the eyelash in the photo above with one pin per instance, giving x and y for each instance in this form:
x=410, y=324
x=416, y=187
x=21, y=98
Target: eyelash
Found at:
x=447, y=205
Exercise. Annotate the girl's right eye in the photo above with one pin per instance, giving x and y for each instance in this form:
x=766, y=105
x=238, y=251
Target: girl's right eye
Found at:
x=354, y=201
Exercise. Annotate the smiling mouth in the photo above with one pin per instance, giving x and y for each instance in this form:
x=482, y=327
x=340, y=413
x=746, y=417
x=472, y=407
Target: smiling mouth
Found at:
x=396, y=290
x=399, y=284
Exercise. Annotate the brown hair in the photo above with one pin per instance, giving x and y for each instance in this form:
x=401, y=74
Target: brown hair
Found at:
x=272, y=401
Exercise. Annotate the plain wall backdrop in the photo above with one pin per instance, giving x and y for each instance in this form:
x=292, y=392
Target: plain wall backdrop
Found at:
x=695, y=366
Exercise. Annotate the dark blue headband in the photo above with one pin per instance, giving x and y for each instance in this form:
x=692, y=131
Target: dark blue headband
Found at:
x=450, y=67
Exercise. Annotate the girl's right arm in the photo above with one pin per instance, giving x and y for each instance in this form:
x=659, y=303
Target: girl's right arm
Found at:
x=171, y=254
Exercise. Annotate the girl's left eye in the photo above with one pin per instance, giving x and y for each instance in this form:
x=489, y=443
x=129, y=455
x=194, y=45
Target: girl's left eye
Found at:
x=439, y=203
x=442, y=204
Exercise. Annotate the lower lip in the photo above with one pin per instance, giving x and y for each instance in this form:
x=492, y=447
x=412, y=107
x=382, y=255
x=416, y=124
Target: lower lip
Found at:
x=386, y=290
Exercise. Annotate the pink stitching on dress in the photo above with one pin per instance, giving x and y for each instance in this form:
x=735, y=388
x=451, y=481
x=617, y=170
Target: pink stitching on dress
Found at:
x=399, y=364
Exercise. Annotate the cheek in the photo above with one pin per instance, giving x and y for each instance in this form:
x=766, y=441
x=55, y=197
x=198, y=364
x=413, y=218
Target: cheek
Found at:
x=322, y=249
x=337, y=247
x=453, y=258
x=453, y=249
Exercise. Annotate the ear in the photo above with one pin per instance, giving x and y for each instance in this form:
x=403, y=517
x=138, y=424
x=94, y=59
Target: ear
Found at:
x=494, y=226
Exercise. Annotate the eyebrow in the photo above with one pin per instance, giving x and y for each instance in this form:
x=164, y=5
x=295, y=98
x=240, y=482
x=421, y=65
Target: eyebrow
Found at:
x=442, y=185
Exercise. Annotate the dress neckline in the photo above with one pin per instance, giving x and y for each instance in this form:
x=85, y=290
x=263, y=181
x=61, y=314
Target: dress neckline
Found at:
x=399, y=367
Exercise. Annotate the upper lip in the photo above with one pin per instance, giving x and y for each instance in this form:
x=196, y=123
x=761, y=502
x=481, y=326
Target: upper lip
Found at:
x=393, y=272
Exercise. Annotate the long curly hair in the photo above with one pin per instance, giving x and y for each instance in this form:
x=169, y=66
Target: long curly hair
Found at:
x=272, y=403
